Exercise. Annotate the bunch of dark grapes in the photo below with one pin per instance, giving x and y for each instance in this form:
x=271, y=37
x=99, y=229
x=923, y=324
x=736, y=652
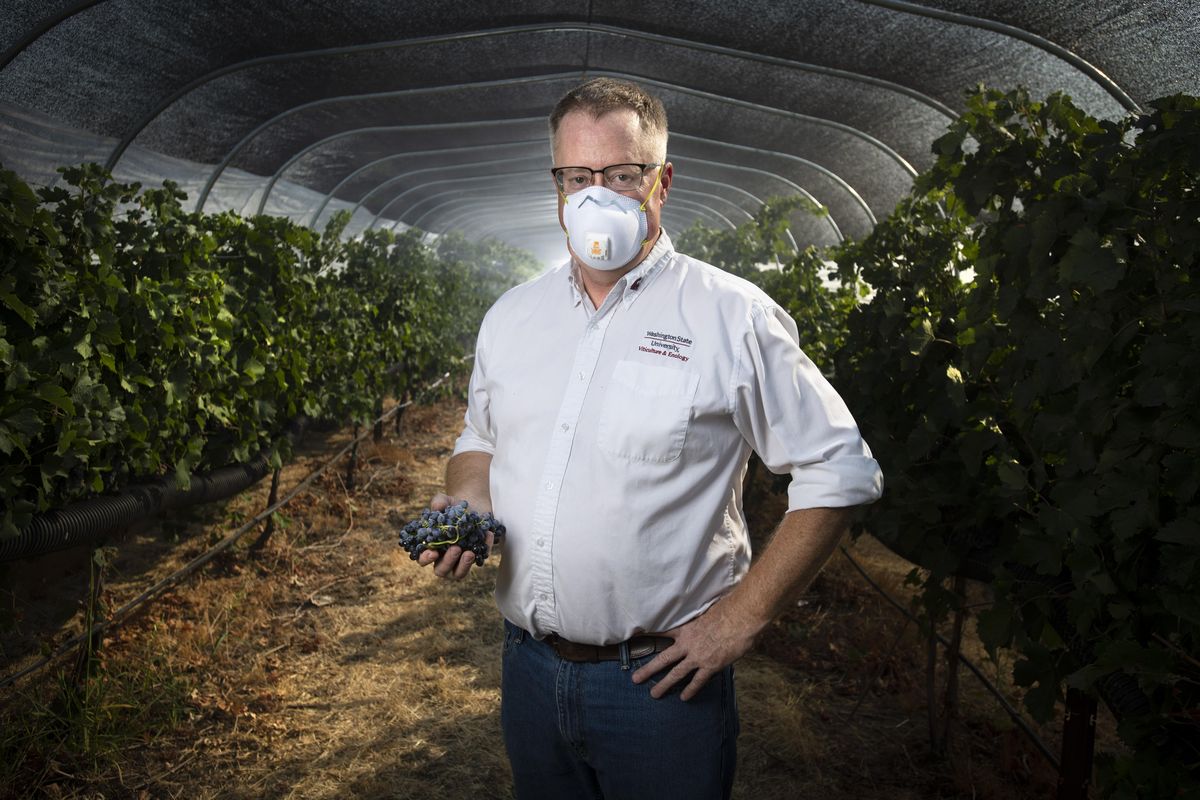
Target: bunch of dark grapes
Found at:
x=437, y=530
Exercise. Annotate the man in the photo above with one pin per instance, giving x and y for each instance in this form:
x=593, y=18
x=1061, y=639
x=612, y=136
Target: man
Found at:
x=612, y=409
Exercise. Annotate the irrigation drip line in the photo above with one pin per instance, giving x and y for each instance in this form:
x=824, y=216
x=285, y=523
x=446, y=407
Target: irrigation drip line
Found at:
x=94, y=518
x=125, y=611
x=995, y=692
x=121, y=614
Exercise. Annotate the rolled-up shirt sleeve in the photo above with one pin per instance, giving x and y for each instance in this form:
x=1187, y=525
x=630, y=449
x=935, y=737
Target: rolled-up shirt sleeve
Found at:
x=479, y=434
x=795, y=420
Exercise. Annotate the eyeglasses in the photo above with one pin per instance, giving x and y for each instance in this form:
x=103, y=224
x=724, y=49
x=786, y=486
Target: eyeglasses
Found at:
x=618, y=177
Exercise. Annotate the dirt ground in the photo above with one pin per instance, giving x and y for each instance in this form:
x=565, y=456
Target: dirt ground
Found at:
x=329, y=665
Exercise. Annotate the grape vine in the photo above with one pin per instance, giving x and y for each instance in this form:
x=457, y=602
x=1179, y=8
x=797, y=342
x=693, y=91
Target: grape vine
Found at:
x=1024, y=370
x=138, y=339
x=1058, y=390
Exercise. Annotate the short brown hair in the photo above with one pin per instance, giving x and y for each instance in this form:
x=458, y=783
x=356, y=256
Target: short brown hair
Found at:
x=601, y=95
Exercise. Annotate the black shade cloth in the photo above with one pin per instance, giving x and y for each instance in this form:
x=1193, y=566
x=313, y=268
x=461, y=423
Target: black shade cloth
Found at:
x=433, y=113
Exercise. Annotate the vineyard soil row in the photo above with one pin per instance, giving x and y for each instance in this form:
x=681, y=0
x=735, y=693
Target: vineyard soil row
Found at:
x=331, y=666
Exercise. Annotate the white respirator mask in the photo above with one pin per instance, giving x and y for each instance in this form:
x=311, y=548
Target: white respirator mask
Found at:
x=606, y=229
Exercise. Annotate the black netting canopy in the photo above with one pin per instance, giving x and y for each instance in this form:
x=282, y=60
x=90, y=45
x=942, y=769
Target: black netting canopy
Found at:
x=432, y=114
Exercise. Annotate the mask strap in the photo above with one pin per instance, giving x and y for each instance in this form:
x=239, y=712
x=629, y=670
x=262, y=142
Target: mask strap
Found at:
x=563, y=195
x=652, y=188
x=650, y=194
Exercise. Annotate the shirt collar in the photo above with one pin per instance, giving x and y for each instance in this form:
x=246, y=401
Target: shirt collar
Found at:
x=633, y=283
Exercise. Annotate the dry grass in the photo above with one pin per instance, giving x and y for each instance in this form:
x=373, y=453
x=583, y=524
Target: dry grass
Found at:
x=330, y=666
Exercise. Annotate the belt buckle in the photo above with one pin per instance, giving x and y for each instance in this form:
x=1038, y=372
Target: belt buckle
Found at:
x=648, y=646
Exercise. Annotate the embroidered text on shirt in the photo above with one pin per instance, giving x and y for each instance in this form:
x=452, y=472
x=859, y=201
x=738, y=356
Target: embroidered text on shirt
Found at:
x=666, y=344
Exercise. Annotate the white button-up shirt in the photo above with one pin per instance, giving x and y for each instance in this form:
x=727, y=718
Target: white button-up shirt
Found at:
x=619, y=438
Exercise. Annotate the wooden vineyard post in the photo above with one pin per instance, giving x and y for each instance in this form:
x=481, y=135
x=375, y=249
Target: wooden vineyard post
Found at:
x=272, y=499
x=89, y=653
x=399, y=415
x=378, y=432
x=931, y=690
x=940, y=725
x=953, y=650
x=353, y=459
x=1078, y=746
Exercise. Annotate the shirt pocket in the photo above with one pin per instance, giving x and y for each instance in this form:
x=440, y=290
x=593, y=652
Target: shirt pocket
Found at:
x=646, y=412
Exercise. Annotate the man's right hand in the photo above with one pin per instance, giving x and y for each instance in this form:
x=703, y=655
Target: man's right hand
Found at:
x=455, y=563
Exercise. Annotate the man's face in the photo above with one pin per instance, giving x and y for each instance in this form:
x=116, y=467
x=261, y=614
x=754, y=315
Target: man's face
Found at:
x=614, y=138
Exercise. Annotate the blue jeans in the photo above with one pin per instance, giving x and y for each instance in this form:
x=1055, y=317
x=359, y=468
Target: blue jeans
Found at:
x=585, y=731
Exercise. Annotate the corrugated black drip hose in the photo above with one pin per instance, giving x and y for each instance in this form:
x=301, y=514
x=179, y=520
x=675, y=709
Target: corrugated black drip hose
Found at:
x=91, y=520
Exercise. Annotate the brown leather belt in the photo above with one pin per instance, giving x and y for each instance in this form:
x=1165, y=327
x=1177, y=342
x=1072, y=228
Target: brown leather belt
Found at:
x=638, y=646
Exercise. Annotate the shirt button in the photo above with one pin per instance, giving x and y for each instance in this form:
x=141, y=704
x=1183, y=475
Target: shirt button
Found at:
x=541, y=542
x=581, y=376
x=566, y=427
x=549, y=484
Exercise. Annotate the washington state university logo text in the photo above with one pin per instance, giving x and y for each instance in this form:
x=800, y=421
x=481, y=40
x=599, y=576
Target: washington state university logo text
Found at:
x=666, y=344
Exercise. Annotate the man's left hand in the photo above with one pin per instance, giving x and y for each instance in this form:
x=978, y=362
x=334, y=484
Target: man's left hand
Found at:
x=702, y=648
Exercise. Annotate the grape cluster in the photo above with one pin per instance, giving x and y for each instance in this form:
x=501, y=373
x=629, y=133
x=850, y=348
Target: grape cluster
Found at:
x=437, y=530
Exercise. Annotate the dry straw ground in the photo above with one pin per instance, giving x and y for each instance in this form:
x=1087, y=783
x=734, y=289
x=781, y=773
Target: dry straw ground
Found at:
x=330, y=666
